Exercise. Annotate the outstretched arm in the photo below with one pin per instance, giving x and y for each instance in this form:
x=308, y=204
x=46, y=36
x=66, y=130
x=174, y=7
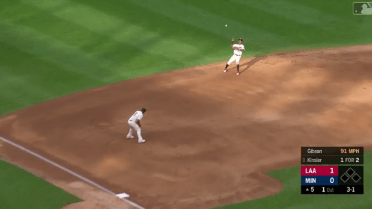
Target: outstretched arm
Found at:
x=232, y=43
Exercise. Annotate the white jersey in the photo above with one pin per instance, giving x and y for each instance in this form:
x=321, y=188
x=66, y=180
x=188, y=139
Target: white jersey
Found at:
x=239, y=46
x=138, y=115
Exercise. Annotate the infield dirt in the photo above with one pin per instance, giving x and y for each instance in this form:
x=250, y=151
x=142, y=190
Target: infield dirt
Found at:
x=210, y=136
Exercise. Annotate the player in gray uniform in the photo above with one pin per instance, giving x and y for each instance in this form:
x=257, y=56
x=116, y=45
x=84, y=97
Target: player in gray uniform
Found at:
x=135, y=124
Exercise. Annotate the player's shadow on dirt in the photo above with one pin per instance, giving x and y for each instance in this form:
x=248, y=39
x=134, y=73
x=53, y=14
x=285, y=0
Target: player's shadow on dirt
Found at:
x=252, y=62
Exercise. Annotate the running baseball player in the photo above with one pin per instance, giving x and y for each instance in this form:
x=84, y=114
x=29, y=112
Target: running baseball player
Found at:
x=238, y=50
x=134, y=123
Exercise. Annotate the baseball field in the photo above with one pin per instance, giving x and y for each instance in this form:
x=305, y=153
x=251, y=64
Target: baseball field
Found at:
x=73, y=71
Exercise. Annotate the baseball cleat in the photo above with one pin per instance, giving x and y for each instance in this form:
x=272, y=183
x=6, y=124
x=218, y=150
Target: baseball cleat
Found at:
x=142, y=141
x=130, y=137
x=238, y=73
x=225, y=70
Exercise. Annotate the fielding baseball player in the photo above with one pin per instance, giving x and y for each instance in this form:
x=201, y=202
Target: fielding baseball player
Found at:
x=134, y=123
x=238, y=50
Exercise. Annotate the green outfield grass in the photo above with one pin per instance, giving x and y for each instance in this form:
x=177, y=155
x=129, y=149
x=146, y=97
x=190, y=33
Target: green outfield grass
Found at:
x=53, y=48
x=20, y=189
x=290, y=197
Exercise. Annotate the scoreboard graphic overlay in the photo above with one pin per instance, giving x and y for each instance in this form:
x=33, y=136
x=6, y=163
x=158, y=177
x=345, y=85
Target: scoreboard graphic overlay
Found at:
x=332, y=170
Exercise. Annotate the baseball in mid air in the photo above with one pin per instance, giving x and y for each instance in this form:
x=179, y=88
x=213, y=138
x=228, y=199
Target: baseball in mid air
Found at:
x=225, y=25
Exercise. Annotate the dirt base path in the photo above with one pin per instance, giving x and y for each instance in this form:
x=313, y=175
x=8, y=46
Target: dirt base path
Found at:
x=210, y=135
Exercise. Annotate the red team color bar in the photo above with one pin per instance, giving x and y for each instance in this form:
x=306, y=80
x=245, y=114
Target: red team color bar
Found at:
x=319, y=170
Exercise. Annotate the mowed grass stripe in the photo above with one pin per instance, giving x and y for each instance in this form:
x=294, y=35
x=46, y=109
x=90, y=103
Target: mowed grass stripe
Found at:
x=301, y=35
x=36, y=68
x=26, y=79
x=294, y=12
x=204, y=19
x=107, y=40
x=46, y=48
x=144, y=41
x=65, y=40
x=13, y=10
x=211, y=45
x=70, y=59
x=360, y=25
x=342, y=9
x=10, y=81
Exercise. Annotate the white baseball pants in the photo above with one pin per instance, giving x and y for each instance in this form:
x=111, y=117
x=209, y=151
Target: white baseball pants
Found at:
x=134, y=126
x=235, y=58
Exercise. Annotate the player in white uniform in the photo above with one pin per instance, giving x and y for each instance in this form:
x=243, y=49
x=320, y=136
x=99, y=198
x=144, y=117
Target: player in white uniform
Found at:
x=134, y=123
x=238, y=51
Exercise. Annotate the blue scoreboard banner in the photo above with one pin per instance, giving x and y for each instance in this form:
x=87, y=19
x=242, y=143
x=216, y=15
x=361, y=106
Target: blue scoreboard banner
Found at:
x=319, y=180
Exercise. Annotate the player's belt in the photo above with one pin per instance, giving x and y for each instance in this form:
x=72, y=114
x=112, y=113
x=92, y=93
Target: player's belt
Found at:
x=237, y=55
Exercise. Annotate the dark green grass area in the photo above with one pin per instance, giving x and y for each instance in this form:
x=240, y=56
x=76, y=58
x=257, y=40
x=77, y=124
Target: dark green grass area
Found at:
x=290, y=197
x=20, y=189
